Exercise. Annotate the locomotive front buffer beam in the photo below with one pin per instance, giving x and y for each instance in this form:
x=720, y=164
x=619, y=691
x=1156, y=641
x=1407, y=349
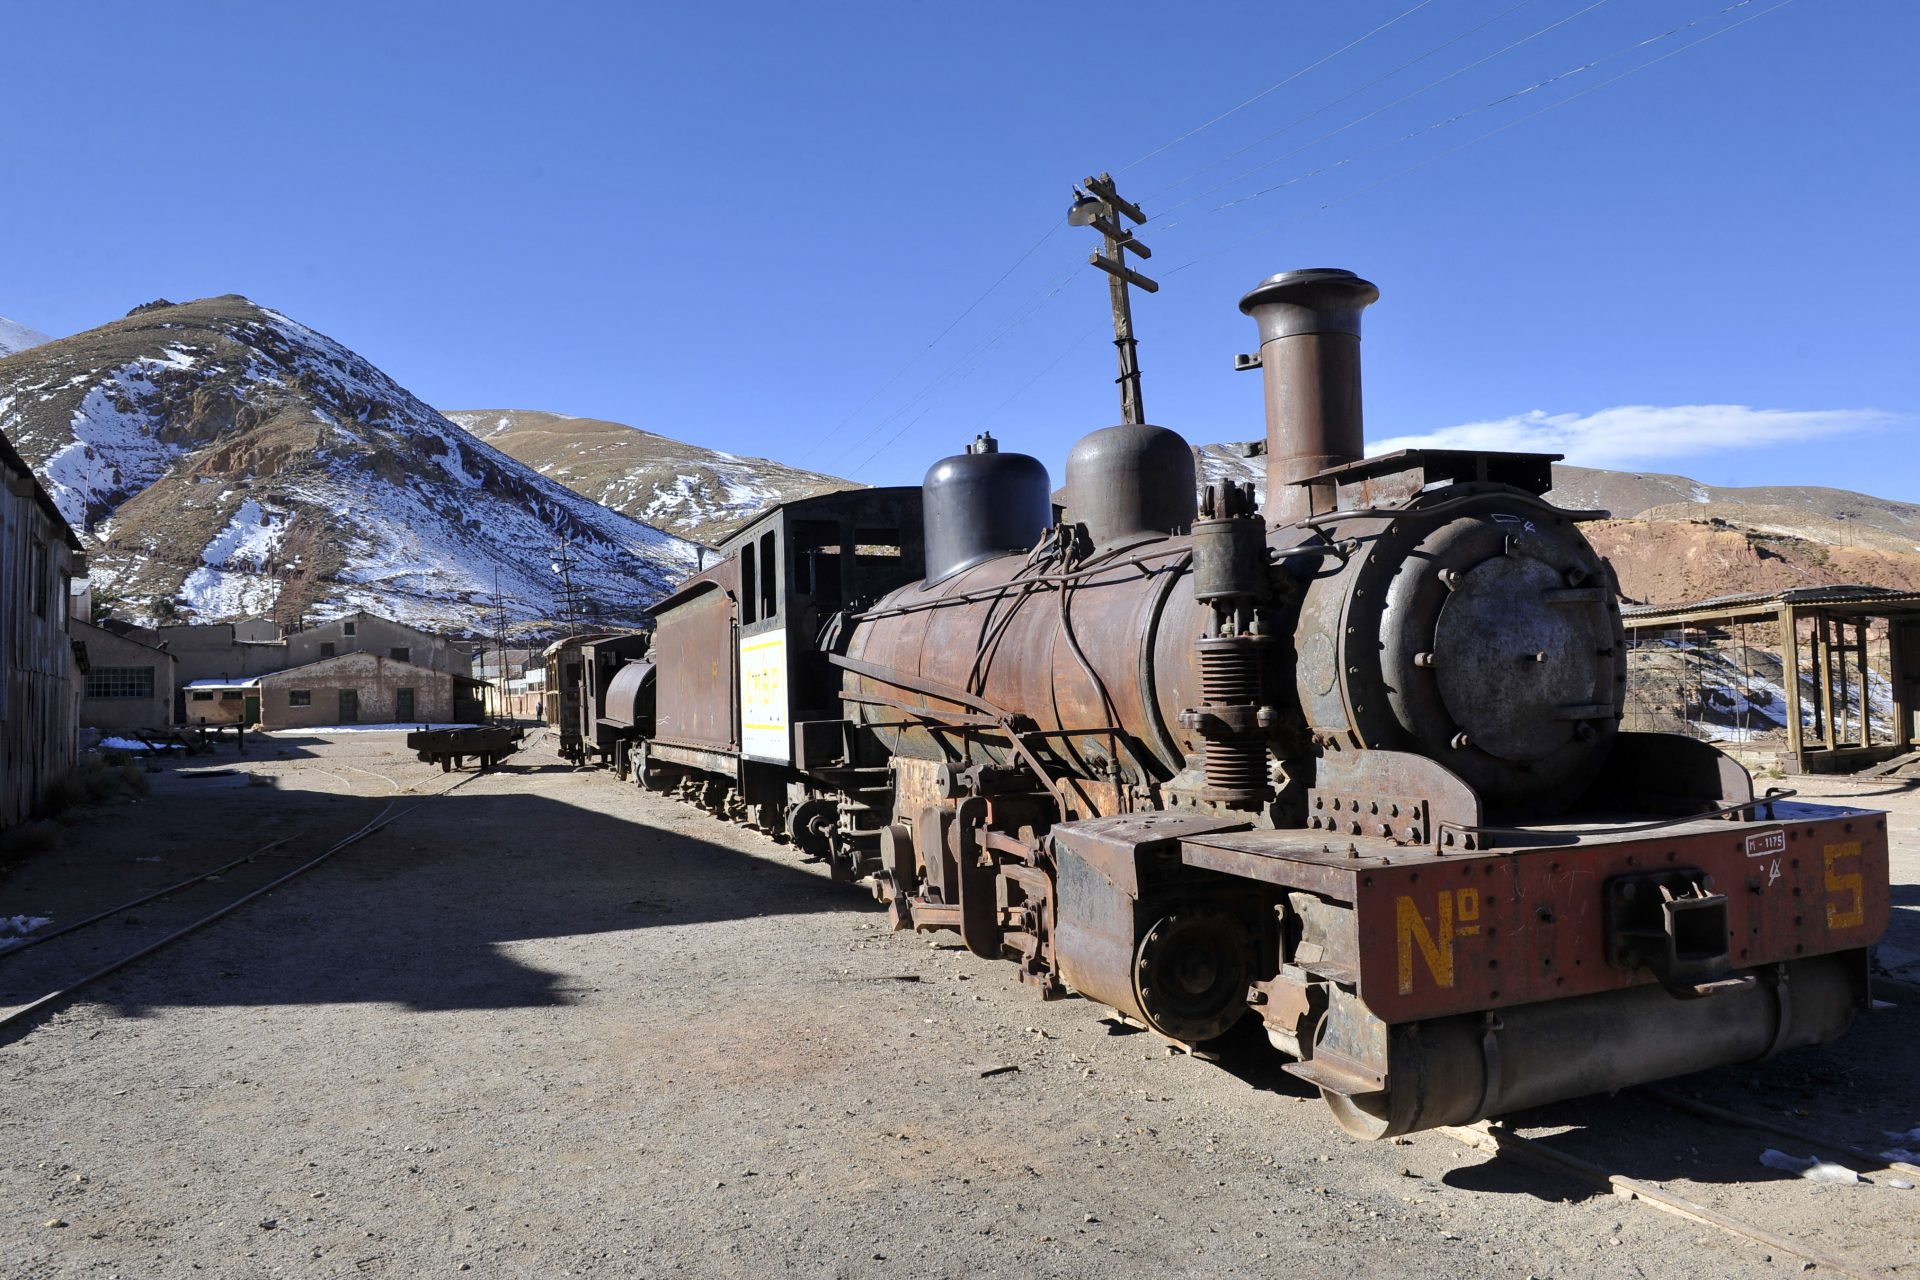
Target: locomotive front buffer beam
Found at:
x=1417, y=989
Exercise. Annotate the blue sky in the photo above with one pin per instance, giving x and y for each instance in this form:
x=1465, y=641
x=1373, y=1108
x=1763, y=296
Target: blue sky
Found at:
x=833, y=234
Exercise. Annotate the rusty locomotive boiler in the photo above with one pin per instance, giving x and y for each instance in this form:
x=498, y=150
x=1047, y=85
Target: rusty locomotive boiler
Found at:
x=1351, y=768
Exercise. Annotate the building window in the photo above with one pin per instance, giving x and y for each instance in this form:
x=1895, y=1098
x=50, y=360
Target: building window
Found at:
x=229, y=695
x=299, y=697
x=65, y=601
x=120, y=682
x=201, y=695
x=326, y=648
x=346, y=629
x=400, y=653
x=37, y=585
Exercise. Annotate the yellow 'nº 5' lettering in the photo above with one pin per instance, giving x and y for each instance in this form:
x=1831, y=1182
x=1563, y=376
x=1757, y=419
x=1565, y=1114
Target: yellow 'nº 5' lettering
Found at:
x=1456, y=912
x=1852, y=909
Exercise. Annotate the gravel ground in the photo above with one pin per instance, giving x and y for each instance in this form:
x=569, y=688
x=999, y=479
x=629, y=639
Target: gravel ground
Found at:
x=549, y=1025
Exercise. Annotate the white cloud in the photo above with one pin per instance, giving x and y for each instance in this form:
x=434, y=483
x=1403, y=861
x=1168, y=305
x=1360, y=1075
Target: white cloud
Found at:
x=1634, y=435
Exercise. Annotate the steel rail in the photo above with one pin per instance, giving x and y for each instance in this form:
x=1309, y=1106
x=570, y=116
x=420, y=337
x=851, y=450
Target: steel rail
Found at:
x=1499, y=1142
x=385, y=819
x=38, y=938
x=1706, y=1110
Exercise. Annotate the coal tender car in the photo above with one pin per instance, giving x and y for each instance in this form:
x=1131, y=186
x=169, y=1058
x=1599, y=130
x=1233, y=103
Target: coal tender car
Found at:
x=1353, y=768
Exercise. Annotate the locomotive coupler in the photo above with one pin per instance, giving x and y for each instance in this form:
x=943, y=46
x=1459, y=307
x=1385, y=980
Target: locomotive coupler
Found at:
x=1673, y=925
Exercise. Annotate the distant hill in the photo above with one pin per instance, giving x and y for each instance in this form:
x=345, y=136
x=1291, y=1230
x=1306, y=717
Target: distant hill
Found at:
x=1674, y=539
x=697, y=493
x=223, y=460
x=17, y=337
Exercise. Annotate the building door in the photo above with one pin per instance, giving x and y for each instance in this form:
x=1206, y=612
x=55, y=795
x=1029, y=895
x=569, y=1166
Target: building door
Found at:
x=349, y=706
x=253, y=708
x=403, y=706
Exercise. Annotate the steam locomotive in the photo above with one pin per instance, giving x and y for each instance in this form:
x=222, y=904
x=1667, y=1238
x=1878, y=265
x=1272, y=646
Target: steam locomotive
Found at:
x=1353, y=768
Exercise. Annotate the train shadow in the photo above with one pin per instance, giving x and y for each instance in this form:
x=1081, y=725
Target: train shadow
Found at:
x=1859, y=1090
x=456, y=906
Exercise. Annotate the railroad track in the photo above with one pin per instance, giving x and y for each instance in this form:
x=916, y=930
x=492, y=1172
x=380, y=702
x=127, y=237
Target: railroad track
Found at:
x=1501, y=1139
x=18, y=1020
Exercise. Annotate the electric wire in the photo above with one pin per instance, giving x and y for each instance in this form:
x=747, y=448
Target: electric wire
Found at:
x=835, y=430
x=1272, y=88
x=1519, y=120
x=1371, y=115
x=1327, y=106
x=1522, y=92
x=934, y=342
x=1423, y=162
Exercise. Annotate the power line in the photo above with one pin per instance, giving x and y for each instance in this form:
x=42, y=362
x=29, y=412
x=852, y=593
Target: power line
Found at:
x=1277, y=86
x=1376, y=112
x=1552, y=106
x=915, y=358
x=1495, y=102
x=1327, y=106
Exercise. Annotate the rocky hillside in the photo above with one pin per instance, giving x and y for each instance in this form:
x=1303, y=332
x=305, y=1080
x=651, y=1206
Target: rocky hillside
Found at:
x=1674, y=539
x=223, y=460
x=697, y=493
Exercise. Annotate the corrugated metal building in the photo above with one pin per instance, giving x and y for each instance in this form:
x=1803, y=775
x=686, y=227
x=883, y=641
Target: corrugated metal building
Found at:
x=39, y=700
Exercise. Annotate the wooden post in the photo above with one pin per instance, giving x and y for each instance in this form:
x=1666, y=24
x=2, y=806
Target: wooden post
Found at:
x=1865, y=673
x=1897, y=635
x=1823, y=645
x=1790, y=670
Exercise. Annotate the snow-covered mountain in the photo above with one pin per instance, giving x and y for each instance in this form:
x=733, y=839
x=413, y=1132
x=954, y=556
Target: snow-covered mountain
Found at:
x=697, y=493
x=223, y=460
x=15, y=336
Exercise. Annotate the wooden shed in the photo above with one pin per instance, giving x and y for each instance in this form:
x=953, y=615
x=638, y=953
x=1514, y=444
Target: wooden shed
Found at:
x=39, y=699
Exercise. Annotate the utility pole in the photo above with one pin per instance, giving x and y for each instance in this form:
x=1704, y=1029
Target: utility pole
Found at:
x=563, y=565
x=1098, y=205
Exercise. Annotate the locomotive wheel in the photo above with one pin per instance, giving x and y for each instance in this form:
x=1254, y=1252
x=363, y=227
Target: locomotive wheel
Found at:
x=810, y=825
x=1191, y=972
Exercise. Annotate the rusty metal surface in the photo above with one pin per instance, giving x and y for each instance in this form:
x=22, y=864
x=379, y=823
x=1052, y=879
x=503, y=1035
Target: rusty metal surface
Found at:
x=1070, y=656
x=1310, y=361
x=694, y=640
x=1452, y=933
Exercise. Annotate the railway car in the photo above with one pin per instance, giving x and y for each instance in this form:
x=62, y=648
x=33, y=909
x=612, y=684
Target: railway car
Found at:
x=1351, y=768
x=580, y=670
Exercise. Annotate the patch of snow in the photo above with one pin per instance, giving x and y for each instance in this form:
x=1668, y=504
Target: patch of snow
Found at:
x=115, y=450
x=123, y=744
x=1811, y=1168
x=15, y=336
x=367, y=728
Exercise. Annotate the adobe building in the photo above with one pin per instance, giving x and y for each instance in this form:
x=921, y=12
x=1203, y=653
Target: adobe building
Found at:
x=129, y=680
x=229, y=652
x=366, y=688
x=363, y=632
x=218, y=701
x=39, y=700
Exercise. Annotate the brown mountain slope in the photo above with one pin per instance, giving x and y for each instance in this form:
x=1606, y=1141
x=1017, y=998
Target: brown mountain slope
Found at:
x=694, y=492
x=1675, y=539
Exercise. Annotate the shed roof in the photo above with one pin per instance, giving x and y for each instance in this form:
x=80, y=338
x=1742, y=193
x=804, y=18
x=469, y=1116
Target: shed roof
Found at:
x=14, y=462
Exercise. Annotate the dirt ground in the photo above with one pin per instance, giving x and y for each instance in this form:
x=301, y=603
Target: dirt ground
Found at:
x=546, y=1024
